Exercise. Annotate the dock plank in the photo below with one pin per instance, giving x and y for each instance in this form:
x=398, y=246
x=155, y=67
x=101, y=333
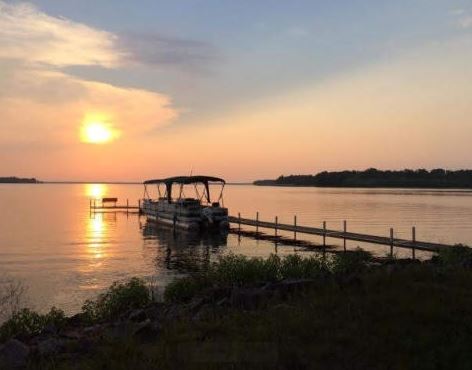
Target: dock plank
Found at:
x=366, y=238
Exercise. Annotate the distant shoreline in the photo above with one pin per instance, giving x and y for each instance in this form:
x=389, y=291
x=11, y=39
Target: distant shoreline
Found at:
x=18, y=180
x=373, y=178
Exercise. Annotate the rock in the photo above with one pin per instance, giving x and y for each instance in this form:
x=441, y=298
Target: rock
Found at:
x=290, y=286
x=76, y=320
x=137, y=315
x=195, y=304
x=215, y=294
x=49, y=329
x=155, y=311
x=14, y=354
x=147, y=330
x=249, y=298
x=50, y=347
x=126, y=329
x=205, y=312
x=92, y=330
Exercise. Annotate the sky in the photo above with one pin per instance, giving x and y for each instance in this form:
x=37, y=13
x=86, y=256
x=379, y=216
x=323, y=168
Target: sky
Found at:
x=116, y=90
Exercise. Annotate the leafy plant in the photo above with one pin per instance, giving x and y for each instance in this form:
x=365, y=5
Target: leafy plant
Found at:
x=119, y=298
x=26, y=322
x=350, y=262
x=456, y=256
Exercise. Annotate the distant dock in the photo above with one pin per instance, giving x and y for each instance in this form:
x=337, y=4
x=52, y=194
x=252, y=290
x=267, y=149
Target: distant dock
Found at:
x=111, y=204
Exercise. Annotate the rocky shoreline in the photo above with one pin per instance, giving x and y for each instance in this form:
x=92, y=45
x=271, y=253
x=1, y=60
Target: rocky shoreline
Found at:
x=75, y=338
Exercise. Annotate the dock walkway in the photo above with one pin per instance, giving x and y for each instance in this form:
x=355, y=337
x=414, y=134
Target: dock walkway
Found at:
x=344, y=235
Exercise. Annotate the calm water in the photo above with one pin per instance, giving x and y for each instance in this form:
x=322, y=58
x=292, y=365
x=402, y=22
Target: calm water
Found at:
x=49, y=240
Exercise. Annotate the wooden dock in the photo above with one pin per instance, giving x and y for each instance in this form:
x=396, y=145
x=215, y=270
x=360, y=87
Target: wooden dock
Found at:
x=112, y=205
x=344, y=235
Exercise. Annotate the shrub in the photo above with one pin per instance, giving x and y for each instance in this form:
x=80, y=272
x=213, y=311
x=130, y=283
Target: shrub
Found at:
x=119, y=298
x=26, y=322
x=350, y=262
x=241, y=270
x=183, y=289
x=456, y=256
x=295, y=267
x=238, y=270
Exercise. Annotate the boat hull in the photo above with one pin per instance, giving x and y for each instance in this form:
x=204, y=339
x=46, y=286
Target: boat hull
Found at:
x=189, y=215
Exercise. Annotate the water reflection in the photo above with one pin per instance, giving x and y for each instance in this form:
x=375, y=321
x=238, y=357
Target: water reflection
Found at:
x=95, y=190
x=97, y=236
x=181, y=250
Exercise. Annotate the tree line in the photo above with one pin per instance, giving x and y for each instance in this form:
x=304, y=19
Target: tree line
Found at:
x=437, y=178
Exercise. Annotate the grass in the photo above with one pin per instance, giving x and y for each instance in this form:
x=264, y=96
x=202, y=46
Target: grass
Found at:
x=237, y=270
x=417, y=317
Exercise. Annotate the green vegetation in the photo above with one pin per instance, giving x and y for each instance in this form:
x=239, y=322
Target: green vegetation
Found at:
x=241, y=271
x=25, y=322
x=458, y=257
x=438, y=178
x=119, y=298
x=359, y=315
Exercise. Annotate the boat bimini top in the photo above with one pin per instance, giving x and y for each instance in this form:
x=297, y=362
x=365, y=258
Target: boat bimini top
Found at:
x=186, y=180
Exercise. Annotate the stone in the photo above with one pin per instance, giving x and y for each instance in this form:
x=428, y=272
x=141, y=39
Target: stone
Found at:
x=49, y=329
x=137, y=315
x=147, y=330
x=14, y=354
x=290, y=286
x=76, y=320
x=249, y=298
x=50, y=346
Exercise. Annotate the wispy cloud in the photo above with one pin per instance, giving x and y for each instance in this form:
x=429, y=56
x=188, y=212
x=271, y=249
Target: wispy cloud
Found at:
x=53, y=105
x=463, y=18
x=155, y=49
x=30, y=35
x=465, y=22
x=34, y=50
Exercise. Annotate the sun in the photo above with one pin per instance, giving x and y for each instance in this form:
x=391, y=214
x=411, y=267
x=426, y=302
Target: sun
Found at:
x=97, y=133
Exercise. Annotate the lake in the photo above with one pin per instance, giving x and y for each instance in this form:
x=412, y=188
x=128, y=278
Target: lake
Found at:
x=63, y=254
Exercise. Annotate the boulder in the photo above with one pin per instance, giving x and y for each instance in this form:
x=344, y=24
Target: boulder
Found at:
x=50, y=346
x=14, y=354
x=137, y=315
x=249, y=298
x=290, y=286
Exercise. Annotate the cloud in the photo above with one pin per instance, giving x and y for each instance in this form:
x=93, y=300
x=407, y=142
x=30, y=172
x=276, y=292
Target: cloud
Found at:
x=39, y=103
x=53, y=110
x=154, y=49
x=465, y=22
x=30, y=35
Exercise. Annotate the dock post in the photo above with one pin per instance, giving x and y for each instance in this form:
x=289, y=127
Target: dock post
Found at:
x=324, y=233
x=391, y=242
x=257, y=222
x=345, y=229
x=139, y=206
x=276, y=224
x=295, y=227
x=239, y=222
x=127, y=207
x=413, y=238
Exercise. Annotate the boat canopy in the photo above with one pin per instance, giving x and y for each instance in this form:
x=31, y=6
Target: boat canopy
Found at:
x=185, y=180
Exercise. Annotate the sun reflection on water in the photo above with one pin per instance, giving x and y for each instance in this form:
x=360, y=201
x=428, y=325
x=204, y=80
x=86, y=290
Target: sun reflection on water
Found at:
x=96, y=190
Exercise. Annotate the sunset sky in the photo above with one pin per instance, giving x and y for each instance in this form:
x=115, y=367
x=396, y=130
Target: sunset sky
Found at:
x=247, y=89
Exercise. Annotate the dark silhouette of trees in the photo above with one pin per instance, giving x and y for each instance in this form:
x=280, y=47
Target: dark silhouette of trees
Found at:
x=17, y=180
x=421, y=178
